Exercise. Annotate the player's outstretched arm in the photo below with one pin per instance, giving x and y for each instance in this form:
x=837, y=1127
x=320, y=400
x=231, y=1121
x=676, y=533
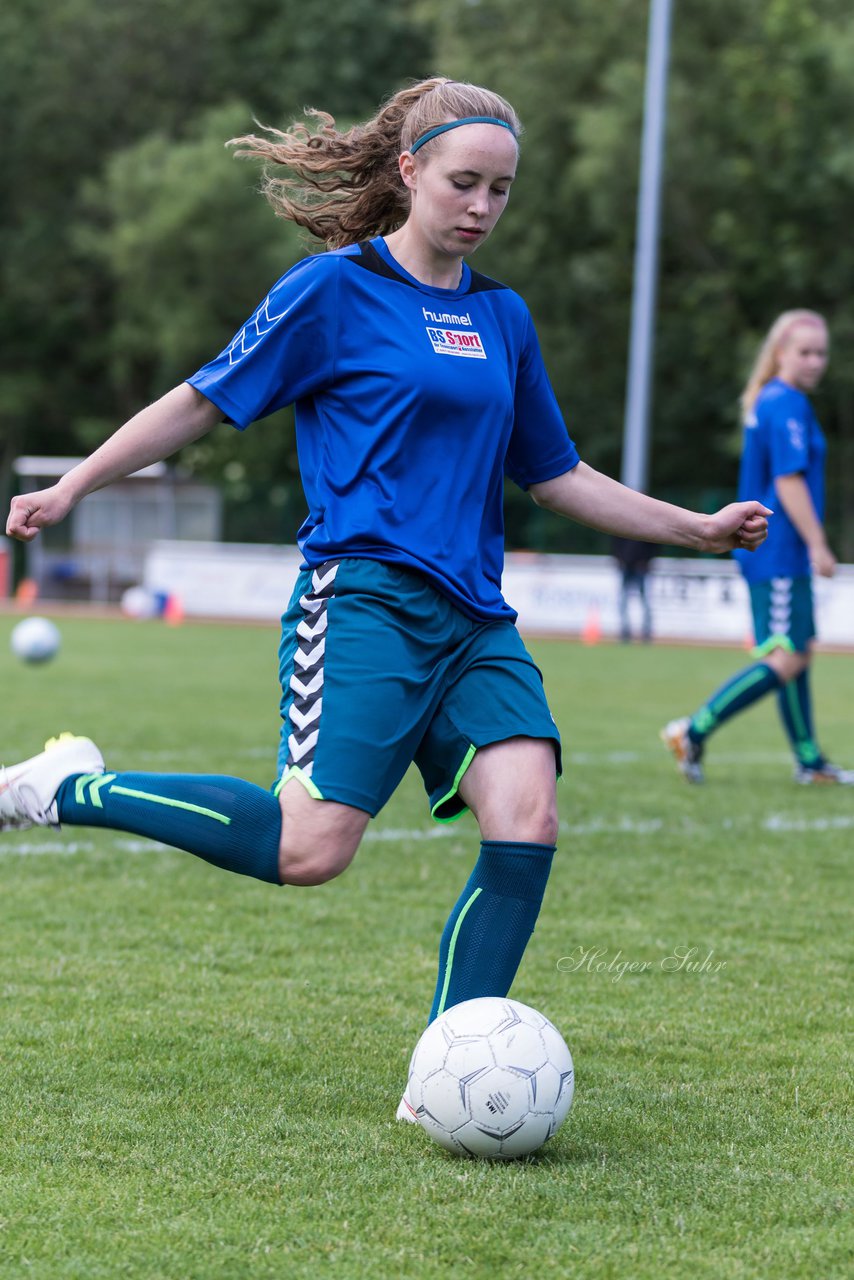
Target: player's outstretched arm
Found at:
x=594, y=499
x=156, y=432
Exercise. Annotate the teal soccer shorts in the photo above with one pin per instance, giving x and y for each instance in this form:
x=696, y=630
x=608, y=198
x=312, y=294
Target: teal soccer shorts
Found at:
x=782, y=614
x=378, y=669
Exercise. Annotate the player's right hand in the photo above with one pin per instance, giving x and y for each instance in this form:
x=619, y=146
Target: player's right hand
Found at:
x=823, y=561
x=30, y=512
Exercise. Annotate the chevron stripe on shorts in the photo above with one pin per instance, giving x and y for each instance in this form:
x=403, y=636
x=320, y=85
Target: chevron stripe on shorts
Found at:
x=780, y=610
x=307, y=679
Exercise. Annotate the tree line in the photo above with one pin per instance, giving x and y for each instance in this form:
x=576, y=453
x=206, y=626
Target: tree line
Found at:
x=134, y=243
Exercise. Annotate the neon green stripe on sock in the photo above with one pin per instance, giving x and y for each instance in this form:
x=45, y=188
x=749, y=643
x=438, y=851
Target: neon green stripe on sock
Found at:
x=172, y=804
x=449, y=964
x=790, y=693
x=806, y=749
x=83, y=782
x=95, y=788
x=736, y=690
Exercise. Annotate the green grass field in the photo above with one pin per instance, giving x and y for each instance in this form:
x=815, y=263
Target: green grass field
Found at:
x=199, y=1072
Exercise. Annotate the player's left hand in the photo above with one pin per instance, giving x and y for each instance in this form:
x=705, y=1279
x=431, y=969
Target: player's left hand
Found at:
x=742, y=525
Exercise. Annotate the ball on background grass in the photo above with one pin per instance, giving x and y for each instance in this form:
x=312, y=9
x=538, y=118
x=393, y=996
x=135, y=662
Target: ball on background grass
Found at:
x=35, y=640
x=139, y=603
x=491, y=1077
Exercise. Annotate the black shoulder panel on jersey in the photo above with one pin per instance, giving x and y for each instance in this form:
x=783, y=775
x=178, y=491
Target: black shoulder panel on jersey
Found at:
x=480, y=284
x=373, y=261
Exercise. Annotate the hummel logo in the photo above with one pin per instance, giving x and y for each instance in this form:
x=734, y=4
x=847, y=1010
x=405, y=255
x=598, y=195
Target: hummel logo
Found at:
x=445, y=317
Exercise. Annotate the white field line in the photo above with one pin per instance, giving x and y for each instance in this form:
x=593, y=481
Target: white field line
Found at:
x=57, y=847
x=774, y=823
x=783, y=822
x=596, y=758
x=181, y=761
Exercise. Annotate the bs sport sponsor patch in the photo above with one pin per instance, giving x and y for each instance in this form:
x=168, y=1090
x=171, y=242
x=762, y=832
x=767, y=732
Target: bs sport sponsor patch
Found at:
x=454, y=342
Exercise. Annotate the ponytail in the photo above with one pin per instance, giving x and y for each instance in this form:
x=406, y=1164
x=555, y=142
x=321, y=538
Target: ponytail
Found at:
x=344, y=187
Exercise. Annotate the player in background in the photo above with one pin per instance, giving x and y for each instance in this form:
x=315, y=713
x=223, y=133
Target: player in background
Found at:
x=783, y=461
x=634, y=558
x=417, y=384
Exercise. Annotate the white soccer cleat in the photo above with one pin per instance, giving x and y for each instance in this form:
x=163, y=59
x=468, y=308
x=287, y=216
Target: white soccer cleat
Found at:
x=406, y=1112
x=687, y=753
x=28, y=790
x=823, y=774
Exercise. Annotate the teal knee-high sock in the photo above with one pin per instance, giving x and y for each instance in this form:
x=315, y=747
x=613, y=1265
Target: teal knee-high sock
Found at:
x=737, y=694
x=228, y=822
x=795, y=704
x=488, y=929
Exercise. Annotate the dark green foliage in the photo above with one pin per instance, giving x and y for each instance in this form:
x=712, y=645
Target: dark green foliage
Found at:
x=134, y=245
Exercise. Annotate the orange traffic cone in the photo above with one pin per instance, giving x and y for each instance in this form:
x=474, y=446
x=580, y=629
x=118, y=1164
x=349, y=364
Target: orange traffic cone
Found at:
x=27, y=591
x=173, y=611
x=591, y=632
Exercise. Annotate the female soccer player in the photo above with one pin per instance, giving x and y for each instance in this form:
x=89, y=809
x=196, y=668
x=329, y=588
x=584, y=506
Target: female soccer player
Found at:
x=783, y=461
x=418, y=384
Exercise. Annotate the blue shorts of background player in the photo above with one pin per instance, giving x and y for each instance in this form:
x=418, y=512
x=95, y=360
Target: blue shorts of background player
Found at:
x=783, y=615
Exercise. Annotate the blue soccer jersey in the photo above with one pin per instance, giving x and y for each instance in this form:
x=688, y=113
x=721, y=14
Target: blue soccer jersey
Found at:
x=782, y=437
x=411, y=405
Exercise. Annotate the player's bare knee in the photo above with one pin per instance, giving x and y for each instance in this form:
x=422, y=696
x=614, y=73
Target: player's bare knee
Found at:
x=543, y=829
x=307, y=865
x=529, y=822
x=787, y=664
x=319, y=837
x=535, y=816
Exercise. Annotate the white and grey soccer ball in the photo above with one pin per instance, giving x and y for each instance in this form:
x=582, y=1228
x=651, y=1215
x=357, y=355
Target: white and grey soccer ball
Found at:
x=35, y=640
x=139, y=603
x=491, y=1077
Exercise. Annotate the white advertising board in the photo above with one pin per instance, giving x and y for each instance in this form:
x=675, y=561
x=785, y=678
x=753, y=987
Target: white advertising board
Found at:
x=691, y=599
x=224, y=580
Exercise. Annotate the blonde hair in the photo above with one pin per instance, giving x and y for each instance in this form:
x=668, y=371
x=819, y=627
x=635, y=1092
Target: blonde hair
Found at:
x=768, y=360
x=346, y=187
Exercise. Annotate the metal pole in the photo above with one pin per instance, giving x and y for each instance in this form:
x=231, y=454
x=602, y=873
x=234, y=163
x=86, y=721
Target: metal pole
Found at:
x=635, y=471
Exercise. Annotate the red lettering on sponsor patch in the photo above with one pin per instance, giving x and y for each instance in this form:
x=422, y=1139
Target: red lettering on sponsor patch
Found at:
x=456, y=339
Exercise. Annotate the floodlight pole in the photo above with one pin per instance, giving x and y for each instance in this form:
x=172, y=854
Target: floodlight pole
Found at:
x=635, y=469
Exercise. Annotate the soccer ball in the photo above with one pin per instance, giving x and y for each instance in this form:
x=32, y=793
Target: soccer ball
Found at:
x=35, y=640
x=139, y=603
x=491, y=1077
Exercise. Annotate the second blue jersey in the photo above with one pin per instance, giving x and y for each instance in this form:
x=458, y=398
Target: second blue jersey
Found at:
x=412, y=404
x=781, y=437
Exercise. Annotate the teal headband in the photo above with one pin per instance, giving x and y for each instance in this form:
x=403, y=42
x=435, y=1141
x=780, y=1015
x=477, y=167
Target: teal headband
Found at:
x=455, y=124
